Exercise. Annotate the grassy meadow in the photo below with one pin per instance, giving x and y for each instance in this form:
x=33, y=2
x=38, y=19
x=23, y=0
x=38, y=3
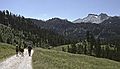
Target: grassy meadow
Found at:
x=6, y=51
x=59, y=48
x=51, y=59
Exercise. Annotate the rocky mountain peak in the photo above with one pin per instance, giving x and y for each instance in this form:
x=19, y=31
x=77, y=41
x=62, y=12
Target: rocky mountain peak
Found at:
x=92, y=15
x=103, y=16
x=93, y=18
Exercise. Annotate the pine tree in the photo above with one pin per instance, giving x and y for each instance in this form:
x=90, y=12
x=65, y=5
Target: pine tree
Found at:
x=1, y=40
x=7, y=12
x=85, y=47
x=107, y=49
x=73, y=48
x=88, y=36
x=63, y=49
x=80, y=49
x=117, y=45
x=98, y=48
x=91, y=41
x=68, y=48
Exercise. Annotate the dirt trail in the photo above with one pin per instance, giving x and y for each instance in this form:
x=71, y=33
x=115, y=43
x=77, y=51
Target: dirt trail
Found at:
x=20, y=62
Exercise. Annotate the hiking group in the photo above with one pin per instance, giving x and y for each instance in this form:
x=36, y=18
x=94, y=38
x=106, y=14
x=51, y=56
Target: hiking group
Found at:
x=20, y=50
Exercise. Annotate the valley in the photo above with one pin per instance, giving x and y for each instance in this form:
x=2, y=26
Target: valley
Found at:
x=60, y=43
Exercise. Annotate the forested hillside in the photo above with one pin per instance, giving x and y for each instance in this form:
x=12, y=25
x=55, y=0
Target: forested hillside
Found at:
x=16, y=28
x=99, y=40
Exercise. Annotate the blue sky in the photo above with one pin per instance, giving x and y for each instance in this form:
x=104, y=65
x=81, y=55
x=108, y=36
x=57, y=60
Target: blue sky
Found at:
x=65, y=9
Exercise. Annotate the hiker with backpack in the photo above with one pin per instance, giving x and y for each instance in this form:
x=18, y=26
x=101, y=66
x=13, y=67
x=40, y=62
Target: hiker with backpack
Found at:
x=17, y=49
x=29, y=50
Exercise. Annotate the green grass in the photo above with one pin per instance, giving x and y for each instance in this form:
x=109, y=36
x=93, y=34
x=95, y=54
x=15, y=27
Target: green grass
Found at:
x=6, y=51
x=51, y=59
x=59, y=48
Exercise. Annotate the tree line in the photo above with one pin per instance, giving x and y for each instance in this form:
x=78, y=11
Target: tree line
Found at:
x=94, y=47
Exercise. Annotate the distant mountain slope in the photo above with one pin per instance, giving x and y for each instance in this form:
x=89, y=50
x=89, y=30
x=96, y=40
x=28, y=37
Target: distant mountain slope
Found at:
x=62, y=30
x=50, y=59
x=93, y=18
x=60, y=26
x=107, y=30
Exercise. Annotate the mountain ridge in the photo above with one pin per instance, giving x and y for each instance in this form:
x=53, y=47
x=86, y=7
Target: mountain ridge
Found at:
x=107, y=30
x=93, y=18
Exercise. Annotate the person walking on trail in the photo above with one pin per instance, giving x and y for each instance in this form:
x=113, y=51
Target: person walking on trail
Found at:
x=29, y=50
x=17, y=49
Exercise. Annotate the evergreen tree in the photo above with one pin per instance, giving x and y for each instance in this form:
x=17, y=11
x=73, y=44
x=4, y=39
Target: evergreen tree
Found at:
x=68, y=48
x=98, y=48
x=88, y=36
x=85, y=46
x=91, y=41
x=63, y=49
x=80, y=49
x=107, y=49
x=73, y=48
x=117, y=46
x=7, y=12
x=1, y=40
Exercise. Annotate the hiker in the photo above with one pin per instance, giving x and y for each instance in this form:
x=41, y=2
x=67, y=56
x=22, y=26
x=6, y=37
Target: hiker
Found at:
x=29, y=50
x=17, y=49
x=21, y=50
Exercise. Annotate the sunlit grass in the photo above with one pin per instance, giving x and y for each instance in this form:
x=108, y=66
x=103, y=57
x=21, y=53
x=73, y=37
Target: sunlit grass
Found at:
x=6, y=50
x=51, y=59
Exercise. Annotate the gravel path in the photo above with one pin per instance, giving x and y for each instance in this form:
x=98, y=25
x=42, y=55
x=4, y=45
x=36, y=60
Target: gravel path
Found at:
x=18, y=62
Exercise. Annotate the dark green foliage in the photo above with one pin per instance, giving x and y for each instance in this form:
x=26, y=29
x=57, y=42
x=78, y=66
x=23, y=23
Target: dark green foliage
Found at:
x=73, y=48
x=63, y=49
x=91, y=41
x=98, y=48
x=88, y=36
x=23, y=29
x=1, y=40
x=93, y=47
x=80, y=49
x=68, y=48
x=117, y=49
x=107, y=51
x=85, y=49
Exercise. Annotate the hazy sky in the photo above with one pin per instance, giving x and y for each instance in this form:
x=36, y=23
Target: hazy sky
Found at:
x=65, y=9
